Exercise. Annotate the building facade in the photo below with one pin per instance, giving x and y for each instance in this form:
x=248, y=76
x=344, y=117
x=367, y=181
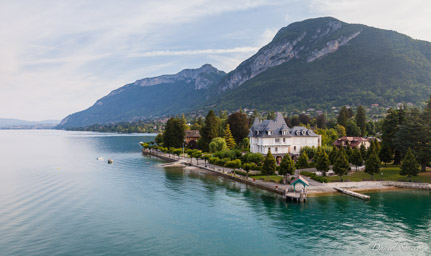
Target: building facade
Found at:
x=276, y=136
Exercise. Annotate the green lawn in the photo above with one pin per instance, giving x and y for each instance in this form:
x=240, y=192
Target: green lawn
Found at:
x=276, y=178
x=390, y=173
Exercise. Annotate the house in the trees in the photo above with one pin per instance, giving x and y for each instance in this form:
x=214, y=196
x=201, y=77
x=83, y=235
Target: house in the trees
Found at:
x=353, y=142
x=191, y=135
x=276, y=136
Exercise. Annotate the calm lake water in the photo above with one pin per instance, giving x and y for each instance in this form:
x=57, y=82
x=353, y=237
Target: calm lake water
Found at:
x=57, y=199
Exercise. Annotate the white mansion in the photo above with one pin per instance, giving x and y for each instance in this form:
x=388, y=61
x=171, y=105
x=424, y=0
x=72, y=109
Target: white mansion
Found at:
x=277, y=136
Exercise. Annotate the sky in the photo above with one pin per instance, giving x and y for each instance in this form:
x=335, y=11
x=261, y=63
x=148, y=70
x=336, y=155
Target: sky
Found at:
x=59, y=57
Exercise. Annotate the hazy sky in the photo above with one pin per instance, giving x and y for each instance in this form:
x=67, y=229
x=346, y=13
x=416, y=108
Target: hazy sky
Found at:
x=59, y=57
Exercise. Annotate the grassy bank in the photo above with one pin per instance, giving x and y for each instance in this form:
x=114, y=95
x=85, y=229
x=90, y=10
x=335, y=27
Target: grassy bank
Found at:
x=390, y=173
x=275, y=178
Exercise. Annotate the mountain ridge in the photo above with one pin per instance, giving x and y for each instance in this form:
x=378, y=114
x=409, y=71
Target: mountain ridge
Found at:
x=320, y=63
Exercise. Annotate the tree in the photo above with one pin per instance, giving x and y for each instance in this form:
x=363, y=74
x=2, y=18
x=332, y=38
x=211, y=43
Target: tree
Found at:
x=372, y=165
x=343, y=116
x=348, y=151
x=341, y=131
x=248, y=166
x=269, y=164
x=356, y=158
x=270, y=116
x=321, y=121
x=390, y=127
x=295, y=121
x=361, y=119
x=287, y=165
x=323, y=162
x=409, y=165
x=385, y=153
x=341, y=165
x=239, y=126
x=197, y=154
x=304, y=119
x=363, y=151
x=233, y=164
x=333, y=155
x=209, y=131
x=352, y=130
x=230, y=141
x=302, y=161
x=174, y=133
x=217, y=144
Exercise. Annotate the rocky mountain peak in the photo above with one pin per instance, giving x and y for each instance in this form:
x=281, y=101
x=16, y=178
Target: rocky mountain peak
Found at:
x=307, y=40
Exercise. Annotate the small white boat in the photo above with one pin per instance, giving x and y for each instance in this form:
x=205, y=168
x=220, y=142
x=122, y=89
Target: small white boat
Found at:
x=100, y=158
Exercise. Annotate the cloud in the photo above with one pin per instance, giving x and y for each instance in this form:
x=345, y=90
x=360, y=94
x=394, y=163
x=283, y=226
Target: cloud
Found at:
x=195, y=52
x=60, y=57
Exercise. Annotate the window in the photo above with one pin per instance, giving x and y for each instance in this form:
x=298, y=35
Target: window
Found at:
x=284, y=139
x=277, y=140
x=276, y=149
x=294, y=148
x=269, y=132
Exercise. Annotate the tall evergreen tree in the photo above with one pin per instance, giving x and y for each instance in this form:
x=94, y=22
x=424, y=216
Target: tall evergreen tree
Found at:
x=321, y=121
x=341, y=165
x=287, y=166
x=361, y=119
x=409, y=165
x=209, y=131
x=230, y=142
x=352, y=130
x=348, y=151
x=356, y=158
x=390, y=127
x=343, y=116
x=302, y=161
x=269, y=164
x=323, y=162
x=174, y=133
x=333, y=154
x=304, y=119
x=385, y=153
x=239, y=126
x=372, y=165
x=363, y=151
x=414, y=134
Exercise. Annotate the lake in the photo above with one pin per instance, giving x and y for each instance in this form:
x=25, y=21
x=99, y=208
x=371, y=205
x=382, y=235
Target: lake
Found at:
x=57, y=199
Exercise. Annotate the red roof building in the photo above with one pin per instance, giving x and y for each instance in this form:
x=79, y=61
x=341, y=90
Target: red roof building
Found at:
x=354, y=142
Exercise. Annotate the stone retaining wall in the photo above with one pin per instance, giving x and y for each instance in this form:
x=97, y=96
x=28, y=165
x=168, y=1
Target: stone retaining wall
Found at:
x=411, y=185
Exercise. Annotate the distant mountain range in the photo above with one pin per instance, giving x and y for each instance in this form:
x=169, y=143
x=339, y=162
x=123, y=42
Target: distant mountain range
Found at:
x=8, y=123
x=316, y=63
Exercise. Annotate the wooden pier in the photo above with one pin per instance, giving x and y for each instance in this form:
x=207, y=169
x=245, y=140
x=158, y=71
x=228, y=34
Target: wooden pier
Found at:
x=351, y=193
x=295, y=196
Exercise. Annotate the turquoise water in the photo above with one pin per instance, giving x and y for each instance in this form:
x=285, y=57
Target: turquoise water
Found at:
x=57, y=199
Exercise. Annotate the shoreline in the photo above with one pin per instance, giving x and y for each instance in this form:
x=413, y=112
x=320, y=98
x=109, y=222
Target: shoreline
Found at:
x=326, y=189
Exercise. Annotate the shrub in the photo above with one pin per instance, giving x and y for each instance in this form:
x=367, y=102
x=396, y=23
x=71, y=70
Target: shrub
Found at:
x=313, y=176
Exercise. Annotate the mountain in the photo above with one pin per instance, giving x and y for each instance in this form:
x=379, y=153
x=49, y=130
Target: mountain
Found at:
x=8, y=123
x=150, y=97
x=324, y=62
x=317, y=63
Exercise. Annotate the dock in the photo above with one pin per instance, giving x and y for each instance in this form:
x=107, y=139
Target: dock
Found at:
x=294, y=196
x=351, y=193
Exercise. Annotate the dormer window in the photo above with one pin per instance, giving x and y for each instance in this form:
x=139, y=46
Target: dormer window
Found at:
x=269, y=133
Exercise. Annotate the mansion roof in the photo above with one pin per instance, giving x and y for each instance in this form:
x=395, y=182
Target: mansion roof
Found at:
x=278, y=128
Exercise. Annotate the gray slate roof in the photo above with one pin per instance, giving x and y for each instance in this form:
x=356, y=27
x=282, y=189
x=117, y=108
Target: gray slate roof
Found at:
x=276, y=127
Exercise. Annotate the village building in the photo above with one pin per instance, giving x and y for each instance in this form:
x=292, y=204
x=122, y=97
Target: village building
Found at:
x=276, y=136
x=353, y=142
x=191, y=135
